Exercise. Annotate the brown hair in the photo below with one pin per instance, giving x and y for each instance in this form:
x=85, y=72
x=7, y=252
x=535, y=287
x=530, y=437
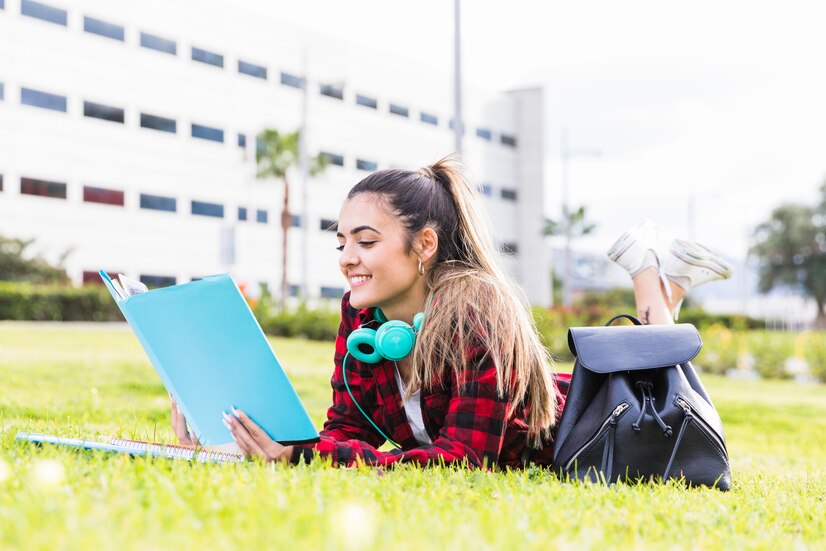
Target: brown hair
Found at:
x=472, y=300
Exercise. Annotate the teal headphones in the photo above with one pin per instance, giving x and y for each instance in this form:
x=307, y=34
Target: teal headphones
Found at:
x=393, y=340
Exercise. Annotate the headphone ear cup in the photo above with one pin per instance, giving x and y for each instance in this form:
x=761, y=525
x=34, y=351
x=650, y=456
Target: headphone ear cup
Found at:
x=366, y=337
x=395, y=340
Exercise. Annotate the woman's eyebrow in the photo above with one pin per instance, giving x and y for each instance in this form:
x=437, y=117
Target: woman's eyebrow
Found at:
x=358, y=229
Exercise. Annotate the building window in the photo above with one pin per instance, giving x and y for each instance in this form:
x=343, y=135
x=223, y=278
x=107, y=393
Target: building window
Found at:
x=2, y=91
x=43, y=100
x=202, y=208
x=332, y=91
x=332, y=292
x=42, y=11
x=261, y=216
x=242, y=213
x=508, y=140
x=333, y=158
x=1, y=182
x=367, y=101
x=486, y=190
x=295, y=220
x=508, y=194
x=100, y=111
x=205, y=56
x=159, y=44
x=294, y=290
x=396, y=109
x=155, y=122
x=509, y=247
x=252, y=69
x=328, y=225
x=242, y=141
x=427, y=118
x=155, y=281
x=43, y=188
x=158, y=202
x=102, y=28
x=207, y=133
x=370, y=166
x=2, y=4
x=484, y=133
x=102, y=195
x=292, y=80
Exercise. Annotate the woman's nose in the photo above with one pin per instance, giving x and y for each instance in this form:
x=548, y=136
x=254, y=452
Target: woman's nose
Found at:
x=347, y=256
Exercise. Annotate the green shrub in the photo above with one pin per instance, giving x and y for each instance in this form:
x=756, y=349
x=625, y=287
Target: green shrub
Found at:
x=814, y=351
x=26, y=301
x=770, y=351
x=316, y=324
x=721, y=348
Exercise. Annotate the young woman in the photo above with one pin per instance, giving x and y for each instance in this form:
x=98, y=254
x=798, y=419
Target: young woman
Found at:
x=476, y=387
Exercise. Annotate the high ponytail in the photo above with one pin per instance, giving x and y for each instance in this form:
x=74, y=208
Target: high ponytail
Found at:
x=473, y=302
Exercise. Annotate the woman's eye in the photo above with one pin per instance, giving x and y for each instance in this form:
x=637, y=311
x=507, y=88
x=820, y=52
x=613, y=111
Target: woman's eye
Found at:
x=340, y=248
x=366, y=243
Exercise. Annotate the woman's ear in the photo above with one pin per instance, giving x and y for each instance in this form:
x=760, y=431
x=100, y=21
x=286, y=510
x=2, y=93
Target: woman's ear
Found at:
x=427, y=243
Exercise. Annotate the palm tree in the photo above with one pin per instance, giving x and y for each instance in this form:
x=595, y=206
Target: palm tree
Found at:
x=276, y=153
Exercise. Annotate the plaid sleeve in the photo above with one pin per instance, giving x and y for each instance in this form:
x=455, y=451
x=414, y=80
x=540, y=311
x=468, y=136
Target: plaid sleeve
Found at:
x=473, y=430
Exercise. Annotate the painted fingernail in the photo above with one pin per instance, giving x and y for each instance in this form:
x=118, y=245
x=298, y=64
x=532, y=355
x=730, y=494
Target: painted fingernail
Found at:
x=227, y=418
x=177, y=408
x=229, y=428
x=234, y=411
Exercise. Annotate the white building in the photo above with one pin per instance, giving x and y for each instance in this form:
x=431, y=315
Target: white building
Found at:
x=127, y=137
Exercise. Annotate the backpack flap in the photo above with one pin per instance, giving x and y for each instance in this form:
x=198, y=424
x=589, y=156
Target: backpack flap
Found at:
x=609, y=349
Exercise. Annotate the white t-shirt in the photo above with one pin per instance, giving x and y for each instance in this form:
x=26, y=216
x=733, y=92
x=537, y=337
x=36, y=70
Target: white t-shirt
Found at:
x=413, y=411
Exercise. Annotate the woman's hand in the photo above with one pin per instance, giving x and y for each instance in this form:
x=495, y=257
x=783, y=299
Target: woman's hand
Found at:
x=185, y=436
x=253, y=441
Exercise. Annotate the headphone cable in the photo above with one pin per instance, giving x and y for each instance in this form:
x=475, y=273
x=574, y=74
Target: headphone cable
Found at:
x=347, y=386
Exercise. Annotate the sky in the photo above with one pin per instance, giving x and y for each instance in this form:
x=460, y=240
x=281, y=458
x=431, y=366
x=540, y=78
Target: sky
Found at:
x=705, y=115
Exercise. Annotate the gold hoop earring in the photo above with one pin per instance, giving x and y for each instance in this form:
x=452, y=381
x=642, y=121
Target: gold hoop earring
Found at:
x=421, y=267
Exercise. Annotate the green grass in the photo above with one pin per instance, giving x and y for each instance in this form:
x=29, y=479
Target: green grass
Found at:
x=95, y=380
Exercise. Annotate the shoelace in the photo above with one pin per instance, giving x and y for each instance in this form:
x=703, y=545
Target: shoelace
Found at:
x=647, y=400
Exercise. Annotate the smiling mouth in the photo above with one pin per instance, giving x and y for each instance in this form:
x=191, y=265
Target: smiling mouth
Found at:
x=355, y=281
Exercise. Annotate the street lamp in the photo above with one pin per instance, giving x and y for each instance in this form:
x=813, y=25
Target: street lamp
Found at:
x=566, y=153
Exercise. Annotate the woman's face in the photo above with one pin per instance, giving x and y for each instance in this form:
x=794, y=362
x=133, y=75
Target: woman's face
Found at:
x=374, y=259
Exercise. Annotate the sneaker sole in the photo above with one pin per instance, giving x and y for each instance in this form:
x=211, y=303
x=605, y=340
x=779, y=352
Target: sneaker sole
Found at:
x=626, y=241
x=696, y=256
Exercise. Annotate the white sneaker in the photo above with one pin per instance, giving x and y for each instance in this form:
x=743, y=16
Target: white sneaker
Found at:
x=636, y=249
x=690, y=264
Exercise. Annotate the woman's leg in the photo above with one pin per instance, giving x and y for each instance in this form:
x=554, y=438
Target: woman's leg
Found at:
x=653, y=306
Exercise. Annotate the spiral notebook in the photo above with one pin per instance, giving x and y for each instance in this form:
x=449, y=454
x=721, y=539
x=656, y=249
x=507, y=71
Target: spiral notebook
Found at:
x=137, y=448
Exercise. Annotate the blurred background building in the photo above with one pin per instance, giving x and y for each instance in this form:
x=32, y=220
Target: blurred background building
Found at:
x=128, y=136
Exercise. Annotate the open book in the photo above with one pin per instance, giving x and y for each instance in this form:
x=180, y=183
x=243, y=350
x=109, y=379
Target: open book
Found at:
x=211, y=355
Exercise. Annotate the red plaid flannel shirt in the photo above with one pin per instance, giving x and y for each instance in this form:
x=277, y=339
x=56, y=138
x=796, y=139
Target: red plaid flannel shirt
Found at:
x=472, y=425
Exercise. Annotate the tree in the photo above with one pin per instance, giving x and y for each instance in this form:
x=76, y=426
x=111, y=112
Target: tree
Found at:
x=572, y=226
x=791, y=251
x=276, y=153
x=17, y=265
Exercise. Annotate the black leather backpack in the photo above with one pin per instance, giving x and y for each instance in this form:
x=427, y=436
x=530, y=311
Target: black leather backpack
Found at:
x=636, y=409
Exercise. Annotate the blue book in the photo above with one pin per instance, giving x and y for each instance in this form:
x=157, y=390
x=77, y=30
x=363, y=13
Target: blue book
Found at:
x=212, y=355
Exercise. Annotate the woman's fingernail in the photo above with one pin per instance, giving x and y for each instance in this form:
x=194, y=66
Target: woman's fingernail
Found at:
x=177, y=408
x=229, y=428
x=234, y=411
x=227, y=418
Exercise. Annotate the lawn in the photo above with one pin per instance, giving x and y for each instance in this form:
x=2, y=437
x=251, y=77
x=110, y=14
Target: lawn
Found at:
x=92, y=380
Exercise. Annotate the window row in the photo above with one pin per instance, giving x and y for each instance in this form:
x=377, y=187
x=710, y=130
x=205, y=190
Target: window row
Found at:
x=56, y=102
x=115, y=197
x=114, y=31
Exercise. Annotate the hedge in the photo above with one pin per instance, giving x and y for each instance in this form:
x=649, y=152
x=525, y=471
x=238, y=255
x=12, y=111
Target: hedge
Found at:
x=26, y=301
